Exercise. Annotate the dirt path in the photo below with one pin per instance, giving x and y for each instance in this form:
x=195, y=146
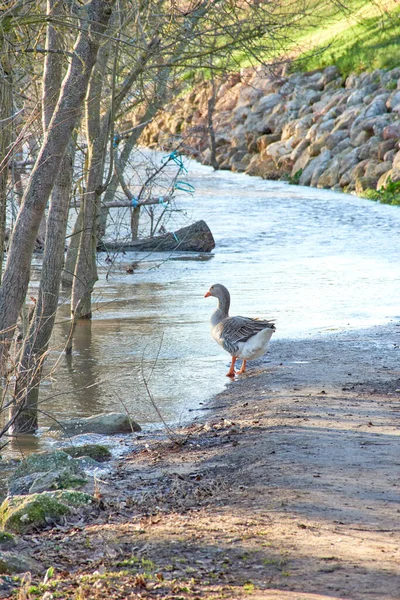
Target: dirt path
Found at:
x=287, y=488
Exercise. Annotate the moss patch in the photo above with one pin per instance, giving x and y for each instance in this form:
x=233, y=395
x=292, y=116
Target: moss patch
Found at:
x=61, y=480
x=43, y=462
x=72, y=498
x=19, y=514
x=95, y=451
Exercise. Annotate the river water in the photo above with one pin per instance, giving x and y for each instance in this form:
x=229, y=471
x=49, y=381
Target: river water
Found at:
x=317, y=261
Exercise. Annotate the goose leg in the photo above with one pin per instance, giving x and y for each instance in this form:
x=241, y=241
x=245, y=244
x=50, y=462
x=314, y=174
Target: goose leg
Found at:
x=231, y=372
x=243, y=367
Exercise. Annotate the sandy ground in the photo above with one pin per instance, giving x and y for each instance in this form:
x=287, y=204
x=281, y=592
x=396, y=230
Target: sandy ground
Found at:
x=285, y=487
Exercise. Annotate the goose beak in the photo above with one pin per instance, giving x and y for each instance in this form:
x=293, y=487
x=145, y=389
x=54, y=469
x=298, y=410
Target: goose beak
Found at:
x=207, y=294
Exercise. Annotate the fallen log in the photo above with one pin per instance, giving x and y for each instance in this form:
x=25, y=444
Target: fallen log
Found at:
x=193, y=238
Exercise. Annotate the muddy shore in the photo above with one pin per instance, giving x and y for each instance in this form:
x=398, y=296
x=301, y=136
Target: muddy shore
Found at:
x=285, y=487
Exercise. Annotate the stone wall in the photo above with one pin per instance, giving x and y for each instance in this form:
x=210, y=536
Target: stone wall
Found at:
x=315, y=127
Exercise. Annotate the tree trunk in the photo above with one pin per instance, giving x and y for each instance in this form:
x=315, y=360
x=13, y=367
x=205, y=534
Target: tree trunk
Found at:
x=85, y=273
x=24, y=413
x=210, y=124
x=5, y=143
x=24, y=410
x=72, y=94
x=135, y=217
x=67, y=276
x=193, y=238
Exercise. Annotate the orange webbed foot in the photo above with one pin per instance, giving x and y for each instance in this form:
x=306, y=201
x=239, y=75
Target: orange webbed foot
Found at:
x=242, y=368
x=232, y=372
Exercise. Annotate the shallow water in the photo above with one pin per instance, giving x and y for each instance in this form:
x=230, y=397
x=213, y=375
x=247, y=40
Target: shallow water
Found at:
x=315, y=260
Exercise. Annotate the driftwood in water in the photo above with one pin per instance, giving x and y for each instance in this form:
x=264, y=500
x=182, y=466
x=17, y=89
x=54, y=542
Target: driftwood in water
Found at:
x=194, y=238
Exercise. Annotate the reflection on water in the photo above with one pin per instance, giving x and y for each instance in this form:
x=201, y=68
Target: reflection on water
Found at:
x=312, y=259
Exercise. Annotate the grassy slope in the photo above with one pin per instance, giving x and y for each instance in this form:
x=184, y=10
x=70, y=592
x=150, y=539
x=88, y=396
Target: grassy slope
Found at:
x=362, y=36
x=364, y=39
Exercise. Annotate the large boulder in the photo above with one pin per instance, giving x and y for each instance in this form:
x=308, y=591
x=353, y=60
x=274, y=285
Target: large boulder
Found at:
x=340, y=164
x=248, y=95
x=361, y=138
x=21, y=514
x=267, y=103
x=299, y=150
x=396, y=160
x=392, y=131
x=271, y=122
x=12, y=562
x=370, y=149
x=265, y=140
x=315, y=168
x=356, y=97
x=342, y=146
x=301, y=163
x=226, y=103
x=333, y=139
x=264, y=167
x=42, y=462
x=372, y=125
x=106, y=424
x=330, y=74
x=278, y=149
x=46, y=471
x=393, y=102
x=349, y=177
x=324, y=127
x=389, y=155
x=384, y=147
x=377, y=169
x=346, y=119
x=57, y=480
x=7, y=541
x=239, y=161
x=391, y=175
x=365, y=183
x=377, y=106
x=328, y=101
x=297, y=128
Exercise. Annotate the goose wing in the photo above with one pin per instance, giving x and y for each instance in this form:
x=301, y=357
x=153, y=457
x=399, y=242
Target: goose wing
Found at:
x=240, y=329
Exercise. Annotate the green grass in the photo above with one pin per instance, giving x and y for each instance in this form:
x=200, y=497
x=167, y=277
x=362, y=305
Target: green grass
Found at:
x=366, y=45
x=363, y=36
x=390, y=194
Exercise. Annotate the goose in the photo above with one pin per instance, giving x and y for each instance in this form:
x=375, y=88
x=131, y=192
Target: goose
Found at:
x=242, y=337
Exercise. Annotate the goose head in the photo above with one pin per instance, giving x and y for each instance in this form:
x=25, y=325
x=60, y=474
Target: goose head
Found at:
x=218, y=291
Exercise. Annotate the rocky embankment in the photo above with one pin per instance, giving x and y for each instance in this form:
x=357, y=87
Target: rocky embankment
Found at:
x=315, y=128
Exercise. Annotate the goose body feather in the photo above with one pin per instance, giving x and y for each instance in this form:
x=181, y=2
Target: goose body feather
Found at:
x=243, y=337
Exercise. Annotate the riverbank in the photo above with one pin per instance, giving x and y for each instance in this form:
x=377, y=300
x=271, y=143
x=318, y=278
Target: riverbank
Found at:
x=318, y=128
x=286, y=487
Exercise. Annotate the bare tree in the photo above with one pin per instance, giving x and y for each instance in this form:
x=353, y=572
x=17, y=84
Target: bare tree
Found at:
x=73, y=90
x=35, y=344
